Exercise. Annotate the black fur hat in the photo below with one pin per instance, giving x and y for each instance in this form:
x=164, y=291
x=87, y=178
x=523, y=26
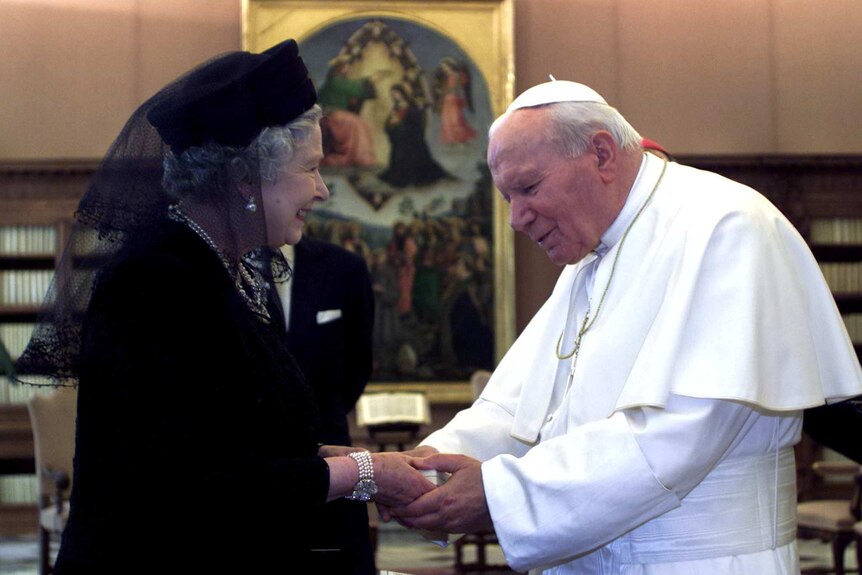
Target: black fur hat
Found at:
x=229, y=100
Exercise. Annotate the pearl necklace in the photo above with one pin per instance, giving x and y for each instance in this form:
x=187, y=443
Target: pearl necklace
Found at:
x=588, y=323
x=248, y=281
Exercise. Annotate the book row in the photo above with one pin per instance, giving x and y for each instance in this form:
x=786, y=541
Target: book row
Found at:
x=853, y=322
x=836, y=231
x=28, y=240
x=15, y=337
x=843, y=277
x=24, y=287
x=20, y=394
x=19, y=489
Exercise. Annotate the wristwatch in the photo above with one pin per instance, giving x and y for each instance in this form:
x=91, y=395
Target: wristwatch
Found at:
x=365, y=489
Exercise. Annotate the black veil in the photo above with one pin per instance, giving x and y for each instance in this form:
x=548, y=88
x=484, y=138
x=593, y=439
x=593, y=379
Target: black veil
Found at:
x=228, y=101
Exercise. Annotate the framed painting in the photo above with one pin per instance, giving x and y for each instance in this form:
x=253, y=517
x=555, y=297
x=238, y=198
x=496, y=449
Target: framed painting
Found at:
x=408, y=90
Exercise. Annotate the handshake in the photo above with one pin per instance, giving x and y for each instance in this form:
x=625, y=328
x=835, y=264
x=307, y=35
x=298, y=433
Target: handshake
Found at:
x=406, y=494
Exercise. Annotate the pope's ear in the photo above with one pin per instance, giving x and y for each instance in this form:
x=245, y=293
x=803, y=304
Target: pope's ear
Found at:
x=605, y=148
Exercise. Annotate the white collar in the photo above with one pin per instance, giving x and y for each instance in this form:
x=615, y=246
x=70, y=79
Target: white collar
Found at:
x=648, y=174
x=287, y=251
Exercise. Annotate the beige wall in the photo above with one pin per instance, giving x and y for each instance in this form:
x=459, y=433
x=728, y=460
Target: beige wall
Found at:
x=72, y=71
x=700, y=76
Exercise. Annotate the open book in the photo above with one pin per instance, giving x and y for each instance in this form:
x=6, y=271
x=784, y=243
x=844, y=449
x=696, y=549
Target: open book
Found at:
x=394, y=407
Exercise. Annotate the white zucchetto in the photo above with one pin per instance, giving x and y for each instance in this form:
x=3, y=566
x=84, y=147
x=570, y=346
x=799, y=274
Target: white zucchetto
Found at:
x=553, y=92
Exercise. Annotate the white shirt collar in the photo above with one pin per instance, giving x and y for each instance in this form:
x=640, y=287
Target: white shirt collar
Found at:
x=287, y=251
x=648, y=173
x=284, y=288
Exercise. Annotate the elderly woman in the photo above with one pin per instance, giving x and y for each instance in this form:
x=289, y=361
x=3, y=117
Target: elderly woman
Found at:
x=197, y=447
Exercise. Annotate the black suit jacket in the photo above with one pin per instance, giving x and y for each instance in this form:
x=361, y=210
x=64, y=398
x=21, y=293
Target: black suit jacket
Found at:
x=837, y=426
x=334, y=355
x=331, y=318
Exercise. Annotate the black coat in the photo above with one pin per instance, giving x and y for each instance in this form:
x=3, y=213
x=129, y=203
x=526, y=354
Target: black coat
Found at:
x=335, y=357
x=196, y=433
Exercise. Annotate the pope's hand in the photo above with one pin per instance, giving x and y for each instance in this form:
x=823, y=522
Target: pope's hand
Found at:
x=398, y=482
x=458, y=506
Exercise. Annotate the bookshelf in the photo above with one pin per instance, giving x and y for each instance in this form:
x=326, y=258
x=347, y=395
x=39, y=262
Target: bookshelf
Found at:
x=842, y=267
x=37, y=203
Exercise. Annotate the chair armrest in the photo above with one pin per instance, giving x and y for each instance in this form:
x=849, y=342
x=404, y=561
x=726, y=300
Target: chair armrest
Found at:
x=824, y=468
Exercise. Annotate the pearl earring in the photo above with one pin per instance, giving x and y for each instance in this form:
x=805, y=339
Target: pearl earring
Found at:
x=251, y=206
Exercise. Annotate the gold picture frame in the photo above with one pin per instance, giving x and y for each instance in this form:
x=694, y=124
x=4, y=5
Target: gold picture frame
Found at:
x=409, y=89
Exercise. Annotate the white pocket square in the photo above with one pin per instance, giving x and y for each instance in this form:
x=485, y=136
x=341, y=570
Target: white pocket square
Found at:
x=328, y=315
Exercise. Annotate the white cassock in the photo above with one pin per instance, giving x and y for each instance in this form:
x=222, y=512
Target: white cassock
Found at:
x=670, y=450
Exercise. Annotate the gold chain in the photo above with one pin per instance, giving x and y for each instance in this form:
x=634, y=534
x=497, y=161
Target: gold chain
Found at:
x=588, y=323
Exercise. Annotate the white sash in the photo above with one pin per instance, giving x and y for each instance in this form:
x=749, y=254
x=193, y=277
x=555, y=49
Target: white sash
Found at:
x=745, y=505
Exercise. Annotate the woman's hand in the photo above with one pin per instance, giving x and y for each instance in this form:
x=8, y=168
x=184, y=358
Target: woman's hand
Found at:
x=398, y=482
x=421, y=451
x=336, y=450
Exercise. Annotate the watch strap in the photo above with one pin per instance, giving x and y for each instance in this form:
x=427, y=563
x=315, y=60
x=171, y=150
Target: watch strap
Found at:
x=365, y=488
x=365, y=463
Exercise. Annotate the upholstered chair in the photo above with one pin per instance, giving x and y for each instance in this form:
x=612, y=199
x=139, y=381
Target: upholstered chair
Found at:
x=53, y=419
x=834, y=519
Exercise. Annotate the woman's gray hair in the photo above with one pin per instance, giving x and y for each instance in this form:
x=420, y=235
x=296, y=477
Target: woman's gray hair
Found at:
x=572, y=125
x=198, y=171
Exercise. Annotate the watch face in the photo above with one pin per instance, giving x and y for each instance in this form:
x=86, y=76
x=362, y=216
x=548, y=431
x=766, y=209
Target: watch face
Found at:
x=365, y=490
x=368, y=486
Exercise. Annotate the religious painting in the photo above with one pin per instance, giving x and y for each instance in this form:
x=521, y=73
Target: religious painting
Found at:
x=409, y=90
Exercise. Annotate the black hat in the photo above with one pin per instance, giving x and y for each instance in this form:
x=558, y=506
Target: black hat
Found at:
x=231, y=99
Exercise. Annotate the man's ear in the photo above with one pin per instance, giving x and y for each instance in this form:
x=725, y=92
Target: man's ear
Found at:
x=607, y=154
x=604, y=146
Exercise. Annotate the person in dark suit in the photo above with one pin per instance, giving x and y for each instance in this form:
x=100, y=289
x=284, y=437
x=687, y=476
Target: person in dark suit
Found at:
x=837, y=426
x=329, y=314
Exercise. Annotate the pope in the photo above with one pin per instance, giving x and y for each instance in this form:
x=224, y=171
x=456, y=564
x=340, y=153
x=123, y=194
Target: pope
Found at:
x=644, y=421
